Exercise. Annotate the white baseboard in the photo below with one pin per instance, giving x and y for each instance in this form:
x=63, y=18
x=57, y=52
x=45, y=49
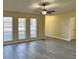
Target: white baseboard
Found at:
x=58, y=37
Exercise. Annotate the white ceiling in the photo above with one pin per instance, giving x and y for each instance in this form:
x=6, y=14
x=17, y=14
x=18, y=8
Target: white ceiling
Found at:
x=32, y=6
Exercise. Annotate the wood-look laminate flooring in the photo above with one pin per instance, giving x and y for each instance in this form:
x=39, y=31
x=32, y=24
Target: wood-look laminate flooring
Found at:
x=50, y=48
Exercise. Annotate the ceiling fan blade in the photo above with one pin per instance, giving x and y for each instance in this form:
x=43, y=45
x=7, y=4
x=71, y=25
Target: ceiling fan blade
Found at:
x=50, y=11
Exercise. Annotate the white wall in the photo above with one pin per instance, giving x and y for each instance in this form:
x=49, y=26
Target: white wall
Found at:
x=73, y=28
x=58, y=26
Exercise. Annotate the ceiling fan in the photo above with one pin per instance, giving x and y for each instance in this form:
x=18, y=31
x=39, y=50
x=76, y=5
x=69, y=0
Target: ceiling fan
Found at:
x=44, y=11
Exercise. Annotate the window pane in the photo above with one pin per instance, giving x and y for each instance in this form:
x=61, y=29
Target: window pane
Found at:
x=22, y=28
x=22, y=35
x=7, y=26
x=33, y=28
x=21, y=32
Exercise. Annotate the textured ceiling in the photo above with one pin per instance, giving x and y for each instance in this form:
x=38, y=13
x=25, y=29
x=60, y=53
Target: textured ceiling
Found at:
x=32, y=6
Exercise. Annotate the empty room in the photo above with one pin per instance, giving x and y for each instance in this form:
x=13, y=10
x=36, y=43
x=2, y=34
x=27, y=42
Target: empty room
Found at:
x=39, y=29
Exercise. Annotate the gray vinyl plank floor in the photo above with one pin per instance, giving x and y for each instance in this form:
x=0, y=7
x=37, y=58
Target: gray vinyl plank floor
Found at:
x=50, y=48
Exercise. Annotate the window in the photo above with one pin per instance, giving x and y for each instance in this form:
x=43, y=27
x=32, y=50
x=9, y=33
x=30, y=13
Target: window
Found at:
x=7, y=28
x=33, y=28
x=22, y=28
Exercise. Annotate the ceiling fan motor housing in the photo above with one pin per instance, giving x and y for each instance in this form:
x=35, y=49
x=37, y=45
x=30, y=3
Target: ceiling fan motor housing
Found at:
x=44, y=11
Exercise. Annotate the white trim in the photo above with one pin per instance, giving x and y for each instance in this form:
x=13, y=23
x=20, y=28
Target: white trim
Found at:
x=58, y=37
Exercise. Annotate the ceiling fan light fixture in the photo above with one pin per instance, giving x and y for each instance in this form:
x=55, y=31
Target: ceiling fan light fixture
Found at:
x=44, y=12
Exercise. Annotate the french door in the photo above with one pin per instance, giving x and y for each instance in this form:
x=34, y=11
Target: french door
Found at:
x=7, y=29
x=21, y=28
x=33, y=28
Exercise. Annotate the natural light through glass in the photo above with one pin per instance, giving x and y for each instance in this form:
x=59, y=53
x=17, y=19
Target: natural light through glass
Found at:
x=22, y=28
x=7, y=26
x=33, y=27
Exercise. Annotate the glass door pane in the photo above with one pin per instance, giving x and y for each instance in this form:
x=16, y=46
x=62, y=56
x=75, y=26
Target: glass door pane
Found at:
x=33, y=28
x=22, y=28
x=7, y=28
